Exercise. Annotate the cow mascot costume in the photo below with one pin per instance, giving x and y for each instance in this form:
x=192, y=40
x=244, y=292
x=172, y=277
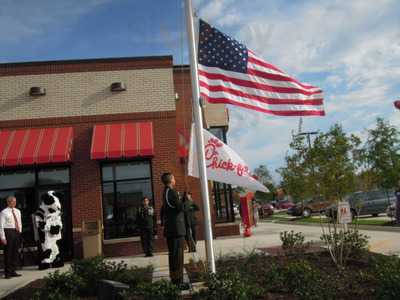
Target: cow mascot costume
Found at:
x=48, y=223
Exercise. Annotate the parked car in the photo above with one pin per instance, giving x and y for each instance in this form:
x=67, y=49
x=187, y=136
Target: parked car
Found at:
x=366, y=203
x=266, y=210
x=309, y=206
x=284, y=204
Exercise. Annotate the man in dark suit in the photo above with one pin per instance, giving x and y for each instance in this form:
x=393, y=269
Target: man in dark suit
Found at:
x=173, y=219
x=146, y=222
x=191, y=221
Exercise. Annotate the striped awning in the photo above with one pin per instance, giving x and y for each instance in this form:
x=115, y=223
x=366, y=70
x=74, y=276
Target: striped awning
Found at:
x=35, y=146
x=124, y=140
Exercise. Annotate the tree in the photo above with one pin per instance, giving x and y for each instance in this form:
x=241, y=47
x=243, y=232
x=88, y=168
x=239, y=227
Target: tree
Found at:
x=333, y=154
x=381, y=150
x=296, y=174
x=264, y=176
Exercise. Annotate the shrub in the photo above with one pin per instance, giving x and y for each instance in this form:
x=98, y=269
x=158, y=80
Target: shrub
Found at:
x=292, y=241
x=85, y=275
x=134, y=276
x=345, y=244
x=356, y=242
x=60, y=286
x=387, y=274
x=229, y=286
x=91, y=271
x=307, y=282
x=160, y=290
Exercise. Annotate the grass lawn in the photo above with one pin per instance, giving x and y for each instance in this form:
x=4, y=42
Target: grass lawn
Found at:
x=282, y=216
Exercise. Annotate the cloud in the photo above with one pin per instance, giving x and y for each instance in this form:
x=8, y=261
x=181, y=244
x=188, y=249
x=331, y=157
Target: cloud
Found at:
x=351, y=49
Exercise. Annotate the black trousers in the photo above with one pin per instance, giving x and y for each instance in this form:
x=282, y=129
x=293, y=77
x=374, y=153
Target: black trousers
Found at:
x=191, y=238
x=11, y=254
x=147, y=239
x=175, y=259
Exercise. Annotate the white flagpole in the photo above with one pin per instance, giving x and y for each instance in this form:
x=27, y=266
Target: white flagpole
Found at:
x=198, y=120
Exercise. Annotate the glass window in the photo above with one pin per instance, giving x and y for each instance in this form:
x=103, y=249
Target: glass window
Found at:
x=223, y=203
x=123, y=196
x=17, y=179
x=53, y=176
x=132, y=170
x=219, y=132
x=375, y=195
x=108, y=173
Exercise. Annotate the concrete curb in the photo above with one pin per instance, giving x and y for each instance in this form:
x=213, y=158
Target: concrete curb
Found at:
x=362, y=227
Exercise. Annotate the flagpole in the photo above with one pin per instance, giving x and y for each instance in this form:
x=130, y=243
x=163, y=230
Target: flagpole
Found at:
x=198, y=120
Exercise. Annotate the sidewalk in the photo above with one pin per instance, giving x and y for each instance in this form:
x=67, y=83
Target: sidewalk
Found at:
x=265, y=235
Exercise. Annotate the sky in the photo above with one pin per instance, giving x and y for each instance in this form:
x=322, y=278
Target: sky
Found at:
x=349, y=48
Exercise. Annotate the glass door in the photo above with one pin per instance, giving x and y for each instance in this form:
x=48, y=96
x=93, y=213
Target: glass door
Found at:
x=27, y=204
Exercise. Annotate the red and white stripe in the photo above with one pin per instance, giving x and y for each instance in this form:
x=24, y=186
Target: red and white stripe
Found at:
x=263, y=88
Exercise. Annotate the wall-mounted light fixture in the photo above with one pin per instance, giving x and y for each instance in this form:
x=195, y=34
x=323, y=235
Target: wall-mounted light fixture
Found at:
x=118, y=87
x=37, y=91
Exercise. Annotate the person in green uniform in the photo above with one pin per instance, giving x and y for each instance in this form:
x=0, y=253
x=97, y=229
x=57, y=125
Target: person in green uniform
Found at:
x=173, y=219
x=190, y=209
x=146, y=219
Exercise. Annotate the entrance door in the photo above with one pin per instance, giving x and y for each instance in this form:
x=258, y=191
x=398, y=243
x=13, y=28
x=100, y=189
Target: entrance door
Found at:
x=26, y=203
x=62, y=192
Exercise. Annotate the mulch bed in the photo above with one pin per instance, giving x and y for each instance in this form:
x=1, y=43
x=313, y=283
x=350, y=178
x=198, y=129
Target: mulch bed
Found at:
x=28, y=291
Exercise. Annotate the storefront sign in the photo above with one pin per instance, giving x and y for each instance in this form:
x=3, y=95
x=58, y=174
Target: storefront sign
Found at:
x=223, y=164
x=344, y=213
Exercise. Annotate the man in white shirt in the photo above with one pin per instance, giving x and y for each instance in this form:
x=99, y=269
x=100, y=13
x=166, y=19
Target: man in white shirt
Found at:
x=10, y=232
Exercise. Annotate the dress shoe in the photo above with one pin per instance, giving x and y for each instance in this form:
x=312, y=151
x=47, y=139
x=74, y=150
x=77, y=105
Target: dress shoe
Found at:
x=15, y=275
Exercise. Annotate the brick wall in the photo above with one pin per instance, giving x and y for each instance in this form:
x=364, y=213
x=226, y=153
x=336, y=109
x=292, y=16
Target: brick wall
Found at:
x=86, y=194
x=84, y=89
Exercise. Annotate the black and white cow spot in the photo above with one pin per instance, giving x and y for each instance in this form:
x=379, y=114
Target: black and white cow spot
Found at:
x=40, y=215
x=55, y=229
x=41, y=225
x=46, y=253
x=47, y=199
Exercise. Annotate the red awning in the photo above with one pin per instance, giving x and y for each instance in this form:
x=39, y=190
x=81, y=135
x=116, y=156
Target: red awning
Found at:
x=125, y=140
x=35, y=146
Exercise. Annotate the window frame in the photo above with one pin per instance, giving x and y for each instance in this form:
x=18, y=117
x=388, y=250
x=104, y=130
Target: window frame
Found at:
x=115, y=181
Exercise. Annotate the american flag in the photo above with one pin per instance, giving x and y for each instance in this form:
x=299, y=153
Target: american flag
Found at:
x=232, y=74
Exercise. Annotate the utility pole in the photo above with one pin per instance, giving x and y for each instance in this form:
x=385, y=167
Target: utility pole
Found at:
x=308, y=134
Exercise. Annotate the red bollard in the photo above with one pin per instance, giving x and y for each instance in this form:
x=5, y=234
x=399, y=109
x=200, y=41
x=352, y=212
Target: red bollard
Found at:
x=247, y=231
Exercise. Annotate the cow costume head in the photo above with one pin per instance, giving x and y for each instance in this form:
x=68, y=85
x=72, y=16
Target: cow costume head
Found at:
x=49, y=228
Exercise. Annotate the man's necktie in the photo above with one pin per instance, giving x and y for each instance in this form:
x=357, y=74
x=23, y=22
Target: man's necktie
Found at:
x=15, y=221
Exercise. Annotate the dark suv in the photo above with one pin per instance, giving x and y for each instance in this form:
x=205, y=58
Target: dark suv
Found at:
x=309, y=206
x=366, y=203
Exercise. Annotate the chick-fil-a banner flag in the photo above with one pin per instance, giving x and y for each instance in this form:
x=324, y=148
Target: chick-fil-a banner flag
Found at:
x=223, y=164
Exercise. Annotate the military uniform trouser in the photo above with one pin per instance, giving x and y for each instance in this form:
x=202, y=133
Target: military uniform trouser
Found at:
x=175, y=259
x=147, y=239
x=11, y=253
